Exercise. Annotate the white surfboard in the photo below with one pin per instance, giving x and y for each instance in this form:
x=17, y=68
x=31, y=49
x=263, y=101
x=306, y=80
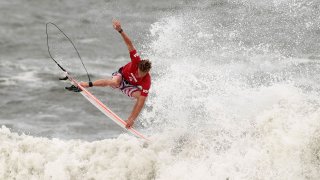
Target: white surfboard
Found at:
x=103, y=108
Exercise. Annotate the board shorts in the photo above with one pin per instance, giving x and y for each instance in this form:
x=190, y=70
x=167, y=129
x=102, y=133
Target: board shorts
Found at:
x=125, y=87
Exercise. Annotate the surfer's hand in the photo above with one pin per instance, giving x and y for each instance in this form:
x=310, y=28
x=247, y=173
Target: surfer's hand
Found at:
x=116, y=25
x=129, y=123
x=84, y=84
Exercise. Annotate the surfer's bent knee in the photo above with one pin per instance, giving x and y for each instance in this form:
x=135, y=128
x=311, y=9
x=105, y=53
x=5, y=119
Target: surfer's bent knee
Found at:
x=115, y=81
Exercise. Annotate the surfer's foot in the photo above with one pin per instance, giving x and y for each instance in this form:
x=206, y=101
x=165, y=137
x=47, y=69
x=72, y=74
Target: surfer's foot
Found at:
x=73, y=88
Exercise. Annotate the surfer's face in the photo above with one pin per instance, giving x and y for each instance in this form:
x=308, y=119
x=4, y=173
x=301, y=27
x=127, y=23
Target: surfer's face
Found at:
x=141, y=73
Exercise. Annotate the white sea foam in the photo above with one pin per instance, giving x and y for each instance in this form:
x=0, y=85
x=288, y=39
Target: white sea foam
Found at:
x=248, y=115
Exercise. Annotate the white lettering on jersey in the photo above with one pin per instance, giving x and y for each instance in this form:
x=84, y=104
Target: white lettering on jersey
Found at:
x=135, y=55
x=133, y=77
x=145, y=91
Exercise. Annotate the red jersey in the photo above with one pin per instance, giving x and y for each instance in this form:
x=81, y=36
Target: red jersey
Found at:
x=130, y=74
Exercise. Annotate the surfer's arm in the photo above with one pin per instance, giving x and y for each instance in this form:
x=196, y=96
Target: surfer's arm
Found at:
x=136, y=110
x=127, y=40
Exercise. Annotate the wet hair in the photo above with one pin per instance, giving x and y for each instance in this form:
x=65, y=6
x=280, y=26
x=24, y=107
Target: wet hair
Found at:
x=144, y=65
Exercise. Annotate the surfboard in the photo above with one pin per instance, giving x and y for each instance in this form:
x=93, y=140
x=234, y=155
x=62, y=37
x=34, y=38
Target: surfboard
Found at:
x=103, y=108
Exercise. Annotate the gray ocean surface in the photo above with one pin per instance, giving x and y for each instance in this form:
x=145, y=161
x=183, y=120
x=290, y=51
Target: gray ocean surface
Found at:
x=235, y=90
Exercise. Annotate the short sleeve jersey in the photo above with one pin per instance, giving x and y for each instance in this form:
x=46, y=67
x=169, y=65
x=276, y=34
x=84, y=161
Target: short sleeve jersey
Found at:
x=130, y=74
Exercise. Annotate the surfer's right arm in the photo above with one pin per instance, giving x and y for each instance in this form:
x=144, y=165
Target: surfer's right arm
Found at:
x=117, y=26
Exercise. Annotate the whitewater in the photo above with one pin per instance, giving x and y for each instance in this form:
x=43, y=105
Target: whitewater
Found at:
x=235, y=95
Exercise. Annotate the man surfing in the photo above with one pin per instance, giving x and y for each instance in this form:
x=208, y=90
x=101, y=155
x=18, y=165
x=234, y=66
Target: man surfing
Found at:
x=133, y=79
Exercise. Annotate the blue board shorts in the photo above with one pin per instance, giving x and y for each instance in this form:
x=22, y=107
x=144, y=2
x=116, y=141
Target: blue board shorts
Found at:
x=125, y=87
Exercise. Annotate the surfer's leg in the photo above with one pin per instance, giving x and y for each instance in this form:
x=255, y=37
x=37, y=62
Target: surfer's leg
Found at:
x=129, y=90
x=114, y=82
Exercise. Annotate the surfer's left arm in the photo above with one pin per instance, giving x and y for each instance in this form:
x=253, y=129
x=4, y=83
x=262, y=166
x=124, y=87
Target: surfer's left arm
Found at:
x=136, y=110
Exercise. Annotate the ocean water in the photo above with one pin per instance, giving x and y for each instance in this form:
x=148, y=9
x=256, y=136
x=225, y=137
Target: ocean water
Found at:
x=235, y=91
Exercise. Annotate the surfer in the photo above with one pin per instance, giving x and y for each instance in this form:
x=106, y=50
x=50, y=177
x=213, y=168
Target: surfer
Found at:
x=133, y=79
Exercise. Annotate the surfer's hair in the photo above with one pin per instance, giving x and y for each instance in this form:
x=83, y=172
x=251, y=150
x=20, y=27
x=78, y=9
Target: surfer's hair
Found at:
x=144, y=65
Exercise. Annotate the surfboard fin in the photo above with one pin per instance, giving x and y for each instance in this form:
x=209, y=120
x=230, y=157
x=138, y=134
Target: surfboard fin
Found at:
x=73, y=88
x=63, y=78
